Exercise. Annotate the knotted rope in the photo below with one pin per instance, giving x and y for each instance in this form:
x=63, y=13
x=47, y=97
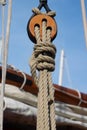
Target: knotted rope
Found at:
x=42, y=63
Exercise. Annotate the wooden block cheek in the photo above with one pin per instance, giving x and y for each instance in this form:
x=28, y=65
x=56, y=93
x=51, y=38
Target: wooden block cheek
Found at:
x=37, y=21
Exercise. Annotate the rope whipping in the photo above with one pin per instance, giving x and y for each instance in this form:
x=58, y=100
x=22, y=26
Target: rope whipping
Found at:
x=42, y=64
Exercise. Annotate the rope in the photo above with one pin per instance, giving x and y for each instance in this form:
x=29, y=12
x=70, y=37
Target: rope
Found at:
x=24, y=82
x=42, y=63
x=4, y=58
x=19, y=71
x=4, y=106
x=79, y=94
x=37, y=11
x=2, y=87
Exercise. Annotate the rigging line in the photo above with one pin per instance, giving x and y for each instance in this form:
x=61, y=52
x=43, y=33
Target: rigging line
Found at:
x=19, y=71
x=2, y=87
x=8, y=30
x=5, y=53
x=84, y=19
x=24, y=82
x=0, y=22
x=71, y=95
x=63, y=61
x=68, y=72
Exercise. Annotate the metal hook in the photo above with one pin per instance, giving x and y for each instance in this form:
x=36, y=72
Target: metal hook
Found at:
x=43, y=3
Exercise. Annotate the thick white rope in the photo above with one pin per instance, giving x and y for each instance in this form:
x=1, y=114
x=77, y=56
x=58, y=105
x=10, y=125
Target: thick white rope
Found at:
x=40, y=121
x=44, y=64
x=51, y=90
x=2, y=87
x=45, y=85
x=19, y=71
x=24, y=82
x=4, y=58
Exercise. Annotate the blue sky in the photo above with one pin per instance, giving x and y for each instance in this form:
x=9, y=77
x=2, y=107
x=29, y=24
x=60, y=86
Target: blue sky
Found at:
x=70, y=37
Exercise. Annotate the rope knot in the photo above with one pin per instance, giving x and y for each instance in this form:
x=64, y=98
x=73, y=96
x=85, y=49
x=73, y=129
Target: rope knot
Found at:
x=45, y=55
x=43, y=61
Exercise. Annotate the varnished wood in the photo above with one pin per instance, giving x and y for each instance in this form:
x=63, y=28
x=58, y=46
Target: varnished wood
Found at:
x=37, y=20
x=62, y=94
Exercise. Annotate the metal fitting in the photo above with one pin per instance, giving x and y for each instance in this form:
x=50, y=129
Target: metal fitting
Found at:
x=2, y=2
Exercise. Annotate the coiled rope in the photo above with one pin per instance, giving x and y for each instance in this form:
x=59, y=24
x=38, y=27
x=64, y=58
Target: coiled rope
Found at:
x=42, y=64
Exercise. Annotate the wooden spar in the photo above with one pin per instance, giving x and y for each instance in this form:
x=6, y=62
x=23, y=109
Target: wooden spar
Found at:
x=62, y=94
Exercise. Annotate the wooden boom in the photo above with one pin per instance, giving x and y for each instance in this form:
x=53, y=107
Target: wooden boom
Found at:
x=62, y=94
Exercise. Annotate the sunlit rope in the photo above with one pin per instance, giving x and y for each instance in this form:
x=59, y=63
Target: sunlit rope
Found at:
x=24, y=81
x=3, y=81
x=19, y=71
x=74, y=96
x=5, y=54
x=45, y=64
x=79, y=94
x=4, y=105
x=70, y=82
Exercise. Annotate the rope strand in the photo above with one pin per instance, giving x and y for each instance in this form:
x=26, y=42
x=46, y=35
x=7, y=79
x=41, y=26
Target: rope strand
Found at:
x=4, y=58
x=42, y=63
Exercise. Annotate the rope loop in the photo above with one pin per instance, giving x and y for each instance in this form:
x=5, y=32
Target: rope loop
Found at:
x=45, y=54
x=37, y=11
x=42, y=63
x=43, y=48
x=33, y=64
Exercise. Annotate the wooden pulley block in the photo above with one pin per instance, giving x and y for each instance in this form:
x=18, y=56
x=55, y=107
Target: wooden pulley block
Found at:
x=37, y=21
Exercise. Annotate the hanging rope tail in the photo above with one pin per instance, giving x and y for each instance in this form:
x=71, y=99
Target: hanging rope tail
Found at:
x=43, y=61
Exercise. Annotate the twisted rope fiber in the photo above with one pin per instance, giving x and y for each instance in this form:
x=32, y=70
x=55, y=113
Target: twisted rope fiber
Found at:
x=51, y=89
x=40, y=121
x=42, y=63
x=5, y=43
x=45, y=87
